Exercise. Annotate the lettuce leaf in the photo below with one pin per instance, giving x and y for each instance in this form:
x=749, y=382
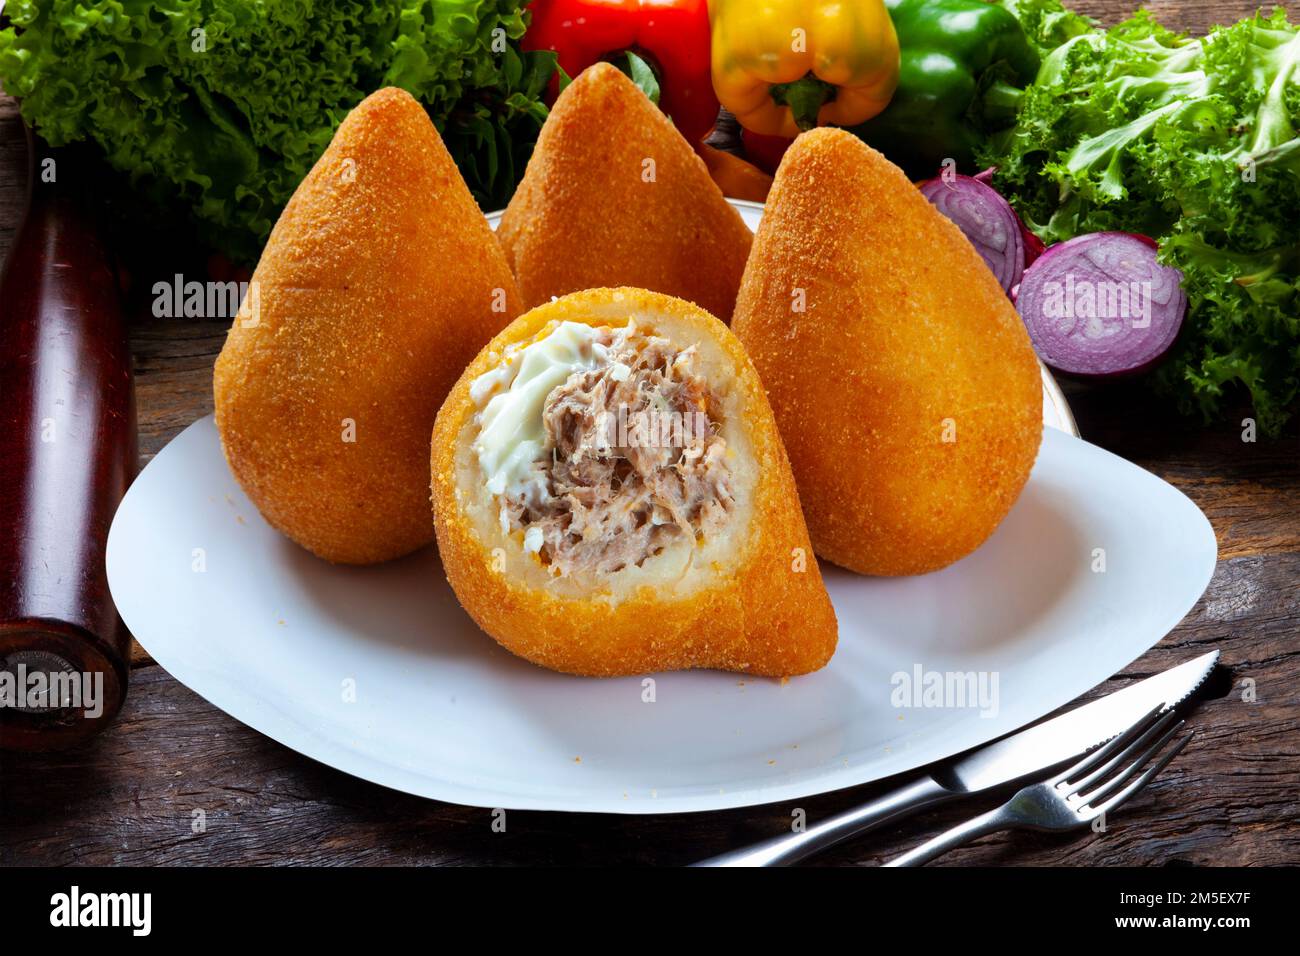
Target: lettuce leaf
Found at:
x=1193, y=142
x=222, y=106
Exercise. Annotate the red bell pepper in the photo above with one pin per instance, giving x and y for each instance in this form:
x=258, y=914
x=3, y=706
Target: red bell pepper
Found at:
x=672, y=36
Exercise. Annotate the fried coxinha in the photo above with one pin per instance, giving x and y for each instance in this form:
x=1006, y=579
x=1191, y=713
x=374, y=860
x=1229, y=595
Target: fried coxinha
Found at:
x=612, y=497
x=904, y=383
x=613, y=195
x=379, y=283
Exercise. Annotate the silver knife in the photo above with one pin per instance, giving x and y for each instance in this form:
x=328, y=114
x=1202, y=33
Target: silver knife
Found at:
x=1035, y=750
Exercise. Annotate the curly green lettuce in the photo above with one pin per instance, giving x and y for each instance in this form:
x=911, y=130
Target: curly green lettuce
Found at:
x=1193, y=142
x=224, y=105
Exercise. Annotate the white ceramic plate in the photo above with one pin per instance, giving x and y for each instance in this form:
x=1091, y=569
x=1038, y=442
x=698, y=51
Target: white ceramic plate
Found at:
x=379, y=673
x=1056, y=411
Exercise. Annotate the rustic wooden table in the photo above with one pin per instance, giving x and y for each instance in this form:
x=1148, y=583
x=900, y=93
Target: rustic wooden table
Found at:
x=129, y=796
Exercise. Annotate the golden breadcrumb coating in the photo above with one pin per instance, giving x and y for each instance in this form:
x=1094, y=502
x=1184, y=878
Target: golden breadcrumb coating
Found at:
x=586, y=216
x=380, y=281
x=760, y=609
x=907, y=390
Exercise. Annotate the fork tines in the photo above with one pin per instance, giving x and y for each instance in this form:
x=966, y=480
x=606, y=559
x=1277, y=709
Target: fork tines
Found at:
x=1090, y=785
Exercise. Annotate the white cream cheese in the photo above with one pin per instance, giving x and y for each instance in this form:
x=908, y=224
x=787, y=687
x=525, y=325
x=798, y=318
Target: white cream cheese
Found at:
x=512, y=397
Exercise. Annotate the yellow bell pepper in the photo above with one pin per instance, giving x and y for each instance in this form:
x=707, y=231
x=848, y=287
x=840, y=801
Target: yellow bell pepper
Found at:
x=784, y=66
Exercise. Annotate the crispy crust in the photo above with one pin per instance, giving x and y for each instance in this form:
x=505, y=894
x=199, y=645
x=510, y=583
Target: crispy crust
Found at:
x=584, y=217
x=904, y=329
x=376, y=286
x=761, y=617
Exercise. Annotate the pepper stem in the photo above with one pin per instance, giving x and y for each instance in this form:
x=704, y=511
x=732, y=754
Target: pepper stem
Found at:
x=805, y=97
x=1001, y=102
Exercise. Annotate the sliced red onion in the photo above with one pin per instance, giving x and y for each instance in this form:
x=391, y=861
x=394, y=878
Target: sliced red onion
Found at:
x=986, y=218
x=1100, y=305
x=1033, y=245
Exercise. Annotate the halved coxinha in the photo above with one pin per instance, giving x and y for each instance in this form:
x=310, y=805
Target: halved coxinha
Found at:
x=611, y=496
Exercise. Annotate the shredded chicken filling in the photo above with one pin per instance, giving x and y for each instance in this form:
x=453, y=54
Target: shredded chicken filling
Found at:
x=632, y=462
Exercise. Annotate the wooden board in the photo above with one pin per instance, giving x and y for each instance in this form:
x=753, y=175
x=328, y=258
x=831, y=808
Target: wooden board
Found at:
x=176, y=781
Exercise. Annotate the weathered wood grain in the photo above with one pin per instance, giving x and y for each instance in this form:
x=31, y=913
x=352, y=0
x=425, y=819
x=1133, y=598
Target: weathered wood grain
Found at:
x=131, y=795
x=1190, y=16
x=13, y=173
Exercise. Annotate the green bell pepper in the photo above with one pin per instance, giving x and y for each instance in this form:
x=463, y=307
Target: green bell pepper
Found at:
x=964, y=67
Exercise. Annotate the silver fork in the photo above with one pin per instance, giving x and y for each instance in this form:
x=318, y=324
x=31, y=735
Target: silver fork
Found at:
x=1074, y=798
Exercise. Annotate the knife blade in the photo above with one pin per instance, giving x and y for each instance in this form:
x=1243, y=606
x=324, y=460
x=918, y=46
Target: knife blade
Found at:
x=1018, y=756
x=1043, y=746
